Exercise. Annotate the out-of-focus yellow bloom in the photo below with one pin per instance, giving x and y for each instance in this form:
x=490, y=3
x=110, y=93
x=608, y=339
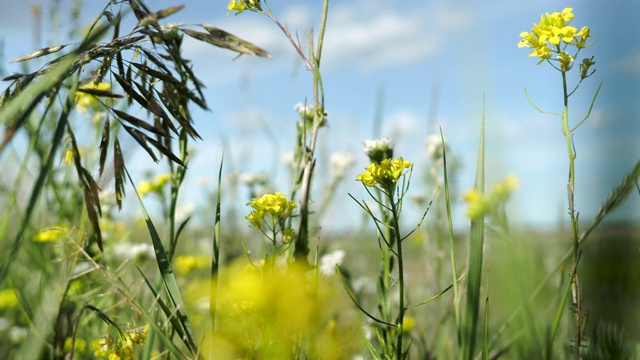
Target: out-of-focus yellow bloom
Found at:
x=123, y=349
x=554, y=30
x=8, y=299
x=479, y=204
x=385, y=174
x=68, y=157
x=79, y=345
x=155, y=185
x=267, y=313
x=276, y=205
x=184, y=264
x=408, y=323
x=51, y=234
x=86, y=102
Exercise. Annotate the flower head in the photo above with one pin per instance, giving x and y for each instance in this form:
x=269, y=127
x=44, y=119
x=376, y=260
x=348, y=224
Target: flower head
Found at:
x=385, y=174
x=155, y=185
x=340, y=163
x=479, y=204
x=378, y=149
x=551, y=33
x=329, y=261
x=276, y=205
x=242, y=5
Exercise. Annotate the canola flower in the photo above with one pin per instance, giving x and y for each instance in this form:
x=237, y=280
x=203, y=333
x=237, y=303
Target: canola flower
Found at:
x=51, y=234
x=185, y=264
x=385, y=174
x=241, y=5
x=479, y=204
x=553, y=35
x=268, y=312
x=153, y=186
x=8, y=299
x=123, y=349
x=275, y=206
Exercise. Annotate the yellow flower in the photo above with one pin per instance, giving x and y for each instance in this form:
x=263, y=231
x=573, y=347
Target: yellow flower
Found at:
x=85, y=102
x=553, y=30
x=242, y=5
x=68, y=158
x=408, y=323
x=275, y=205
x=50, y=234
x=238, y=6
x=384, y=174
x=155, y=185
x=479, y=204
x=79, y=345
x=8, y=299
x=187, y=263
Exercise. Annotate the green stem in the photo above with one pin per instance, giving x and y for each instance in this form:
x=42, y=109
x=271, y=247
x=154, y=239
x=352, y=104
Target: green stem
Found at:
x=400, y=326
x=574, y=220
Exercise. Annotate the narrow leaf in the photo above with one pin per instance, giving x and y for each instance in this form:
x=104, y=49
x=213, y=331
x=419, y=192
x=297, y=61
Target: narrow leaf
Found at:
x=140, y=123
x=118, y=170
x=225, y=40
x=104, y=145
x=41, y=52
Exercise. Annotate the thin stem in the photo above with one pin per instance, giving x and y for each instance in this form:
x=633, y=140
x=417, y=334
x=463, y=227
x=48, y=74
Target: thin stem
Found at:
x=288, y=35
x=400, y=326
x=574, y=219
x=301, y=250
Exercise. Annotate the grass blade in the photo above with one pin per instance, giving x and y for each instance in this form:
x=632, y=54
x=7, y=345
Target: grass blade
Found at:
x=215, y=260
x=456, y=295
x=472, y=306
x=168, y=277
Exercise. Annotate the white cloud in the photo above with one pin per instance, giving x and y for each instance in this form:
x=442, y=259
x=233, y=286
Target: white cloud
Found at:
x=377, y=35
x=629, y=64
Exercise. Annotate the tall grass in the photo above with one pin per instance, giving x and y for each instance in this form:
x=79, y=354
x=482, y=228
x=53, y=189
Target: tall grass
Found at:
x=76, y=281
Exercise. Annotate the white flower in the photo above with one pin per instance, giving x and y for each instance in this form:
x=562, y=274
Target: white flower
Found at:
x=434, y=147
x=252, y=179
x=289, y=160
x=183, y=211
x=303, y=110
x=364, y=285
x=379, y=143
x=4, y=324
x=129, y=251
x=18, y=334
x=340, y=162
x=329, y=261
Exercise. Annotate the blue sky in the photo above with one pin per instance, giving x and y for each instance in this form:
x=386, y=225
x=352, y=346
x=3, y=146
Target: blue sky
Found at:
x=433, y=59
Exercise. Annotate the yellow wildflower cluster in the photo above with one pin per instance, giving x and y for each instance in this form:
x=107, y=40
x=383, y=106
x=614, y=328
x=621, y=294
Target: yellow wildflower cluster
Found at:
x=242, y=5
x=107, y=348
x=8, y=299
x=276, y=205
x=553, y=31
x=154, y=185
x=385, y=174
x=265, y=313
x=51, y=234
x=184, y=264
x=480, y=204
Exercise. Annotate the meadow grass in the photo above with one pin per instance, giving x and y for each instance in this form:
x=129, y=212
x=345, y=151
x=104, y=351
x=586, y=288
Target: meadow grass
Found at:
x=79, y=281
